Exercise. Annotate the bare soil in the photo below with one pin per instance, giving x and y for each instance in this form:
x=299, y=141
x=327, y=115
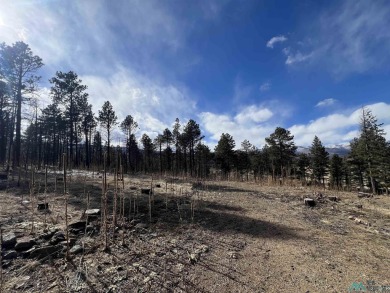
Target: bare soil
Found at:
x=208, y=237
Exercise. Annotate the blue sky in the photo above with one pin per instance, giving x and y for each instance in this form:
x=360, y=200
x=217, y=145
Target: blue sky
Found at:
x=242, y=67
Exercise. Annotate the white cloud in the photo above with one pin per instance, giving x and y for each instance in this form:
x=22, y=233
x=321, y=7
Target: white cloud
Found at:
x=252, y=123
x=326, y=102
x=253, y=114
x=338, y=128
x=255, y=123
x=274, y=40
x=266, y=86
x=154, y=106
x=297, y=57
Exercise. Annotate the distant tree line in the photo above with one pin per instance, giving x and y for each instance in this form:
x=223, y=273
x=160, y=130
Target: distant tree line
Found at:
x=68, y=125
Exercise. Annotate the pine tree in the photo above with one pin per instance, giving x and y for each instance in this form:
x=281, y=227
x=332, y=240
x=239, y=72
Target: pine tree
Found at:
x=128, y=126
x=303, y=163
x=370, y=148
x=147, y=151
x=336, y=171
x=67, y=90
x=319, y=160
x=108, y=121
x=224, y=153
x=281, y=150
x=18, y=66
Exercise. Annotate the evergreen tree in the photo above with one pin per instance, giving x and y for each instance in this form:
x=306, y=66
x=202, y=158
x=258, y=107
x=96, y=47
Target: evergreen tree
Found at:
x=192, y=137
x=303, y=163
x=202, y=159
x=108, y=121
x=368, y=151
x=319, y=160
x=67, y=90
x=18, y=66
x=281, y=151
x=336, y=171
x=4, y=113
x=224, y=153
x=128, y=126
x=148, y=151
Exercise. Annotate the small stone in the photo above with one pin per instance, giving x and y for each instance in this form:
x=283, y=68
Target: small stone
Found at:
x=42, y=206
x=9, y=240
x=233, y=254
x=193, y=257
x=309, y=202
x=11, y=254
x=92, y=212
x=57, y=237
x=76, y=249
x=141, y=226
x=24, y=243
x=45, y=251
x=351, y=217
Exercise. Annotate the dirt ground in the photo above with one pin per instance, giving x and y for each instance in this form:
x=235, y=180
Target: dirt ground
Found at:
x=211, y=236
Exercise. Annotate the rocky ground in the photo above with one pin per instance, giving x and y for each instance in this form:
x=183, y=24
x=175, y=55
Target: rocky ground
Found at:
x=197, y=237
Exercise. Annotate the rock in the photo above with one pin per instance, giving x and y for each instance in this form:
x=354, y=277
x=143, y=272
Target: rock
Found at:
x=57, y=237
x=358, y=221
x=141, y=226
x=351, y=217
x=11, y=254
x=363, y=194
x=92, y=212
x=43, y=206
x=193, y=258
x=24, y=243
x=9, y=240
x=233, y=254
x=359, y=206
x=333, y=198
x=76, y=249
x=202, y=249
x=309, y=202
x=47, y=235
x=146, y=191
x=133, y=188
x=41, y=252
x=77, y=227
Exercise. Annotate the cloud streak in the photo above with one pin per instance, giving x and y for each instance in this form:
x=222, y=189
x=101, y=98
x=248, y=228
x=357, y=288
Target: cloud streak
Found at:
x=275, y=40
x=326, y=102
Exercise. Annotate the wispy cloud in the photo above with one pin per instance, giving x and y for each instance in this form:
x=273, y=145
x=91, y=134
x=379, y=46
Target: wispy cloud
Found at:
x=266, y=86
x=326, y=102
x=297, y=57
x=154, y=106
x=354, y=38
x=274, y=40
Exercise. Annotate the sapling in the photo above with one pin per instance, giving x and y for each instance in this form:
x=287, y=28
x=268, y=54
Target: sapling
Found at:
x=66, y=208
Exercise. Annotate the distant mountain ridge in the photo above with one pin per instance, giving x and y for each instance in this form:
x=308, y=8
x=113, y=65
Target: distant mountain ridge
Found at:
x=335, y=150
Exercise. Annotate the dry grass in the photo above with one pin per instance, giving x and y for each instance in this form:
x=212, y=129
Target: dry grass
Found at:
x=222, y=236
